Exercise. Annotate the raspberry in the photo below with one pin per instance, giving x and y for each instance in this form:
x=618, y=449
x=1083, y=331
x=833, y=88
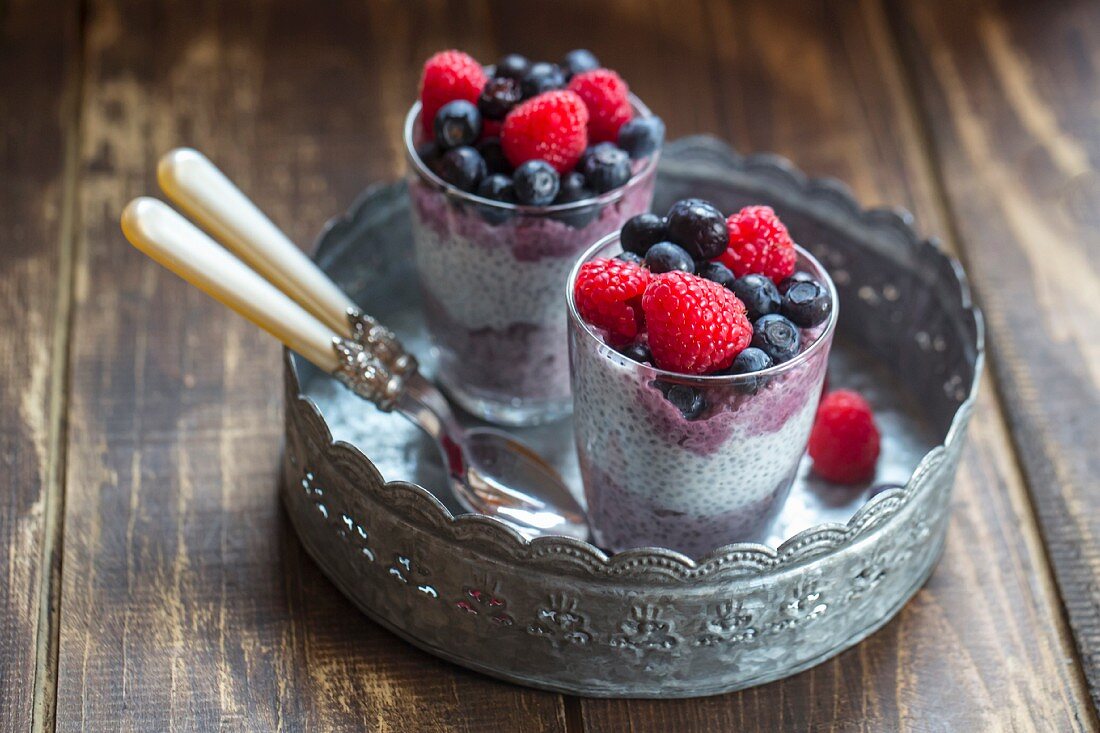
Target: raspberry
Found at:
x=759, y=243
x=695, y=326
x=608, y=294
x=605, y=94
x=845, y=442
x=447, y=76
x=551, y=126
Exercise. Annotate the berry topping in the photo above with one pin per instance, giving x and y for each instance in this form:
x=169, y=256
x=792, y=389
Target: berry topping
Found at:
x=695, y=326
x=630, y=257
x=748, y=361
x=685, y=398
x=806, y=303
x=800, y=276
x=759, y=295
x=536, y=183
x=541, y=77
x=641, y=232
x=498, y=97
x=495, y=160
x=759, y=243
x=447, y=76
x=777, y=337
x=698, y=227
x=608, y=295
x=716, y=272
x=457, y=123
x=666, y=257
x=462, y=167
x=607, y=97
x=551, y=126
x=642, y=136
x=512, y=66
x=497, y=187
x=575, y=188
x=579, y=61
x=844, y=443
x=605, y=166
x=637, y=352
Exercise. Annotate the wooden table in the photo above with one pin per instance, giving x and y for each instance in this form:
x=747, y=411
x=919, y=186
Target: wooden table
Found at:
x=149, y=579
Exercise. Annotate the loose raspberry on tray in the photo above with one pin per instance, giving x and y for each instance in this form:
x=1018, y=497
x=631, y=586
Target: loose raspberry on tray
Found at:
x=608, y=294
x=448, y=76
x=759, y=243
x=844, y=443
x=608, y=100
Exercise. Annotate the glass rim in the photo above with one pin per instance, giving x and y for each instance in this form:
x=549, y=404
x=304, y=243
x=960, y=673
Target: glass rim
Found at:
x=705, y=380
x=609, y=197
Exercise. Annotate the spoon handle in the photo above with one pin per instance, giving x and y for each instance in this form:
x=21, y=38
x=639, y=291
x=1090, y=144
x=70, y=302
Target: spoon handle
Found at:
x=210, y=199
x=189, y=179
x=177, y=244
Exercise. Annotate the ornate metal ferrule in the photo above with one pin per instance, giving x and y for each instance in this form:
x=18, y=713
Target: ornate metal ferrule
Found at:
x=381, y=343
x=365, y=375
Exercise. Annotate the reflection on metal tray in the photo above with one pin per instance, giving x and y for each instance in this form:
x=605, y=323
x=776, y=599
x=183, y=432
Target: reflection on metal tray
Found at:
x=560, y=614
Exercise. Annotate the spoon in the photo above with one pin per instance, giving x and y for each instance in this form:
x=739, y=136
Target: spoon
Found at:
x=490, y=472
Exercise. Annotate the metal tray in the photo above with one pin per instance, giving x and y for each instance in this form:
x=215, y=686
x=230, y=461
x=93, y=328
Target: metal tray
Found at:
x=559, y=614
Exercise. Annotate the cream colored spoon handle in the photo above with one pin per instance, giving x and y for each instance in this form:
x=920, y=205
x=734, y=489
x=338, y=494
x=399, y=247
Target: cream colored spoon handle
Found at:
x=158, y=231
x=196, y=185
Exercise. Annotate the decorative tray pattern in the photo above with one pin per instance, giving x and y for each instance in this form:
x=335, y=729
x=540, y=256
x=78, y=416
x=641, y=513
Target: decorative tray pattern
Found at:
x=560, y=614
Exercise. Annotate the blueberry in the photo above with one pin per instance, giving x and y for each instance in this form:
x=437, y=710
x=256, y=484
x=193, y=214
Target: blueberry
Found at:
x=806, y=303
x=575, y=188
x=698, y=227
x=666, y=257
x=688, y=400
x=777, y=337
x=716, y=272
x=605, y=166
x=799, y=276
x=759, y=295
x=642, y=136
x=496, y=187
x=579, y=61
x=457, y=123
x=495, y=159
x=462, y=167
x=429, y=153
x=498, y=96
x=748, y=361
x=536, y=183
x=512, y=66
x=541, y=77
x=641, y=232
x=637, y=259
x=638, y=352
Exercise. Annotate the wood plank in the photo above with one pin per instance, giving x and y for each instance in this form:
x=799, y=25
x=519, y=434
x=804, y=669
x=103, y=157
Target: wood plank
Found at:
x=38, y=51
x=1010, y=91
x=187, y=601
x=822, y=85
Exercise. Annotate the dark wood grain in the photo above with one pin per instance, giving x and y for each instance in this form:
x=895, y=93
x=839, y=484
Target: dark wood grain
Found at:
x=38, y=52
x=187, y=601
x=1009, y=91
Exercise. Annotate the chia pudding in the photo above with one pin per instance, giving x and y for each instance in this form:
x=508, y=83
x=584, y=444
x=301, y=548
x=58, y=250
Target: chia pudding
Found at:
x=492, y=268
x=689, y=462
